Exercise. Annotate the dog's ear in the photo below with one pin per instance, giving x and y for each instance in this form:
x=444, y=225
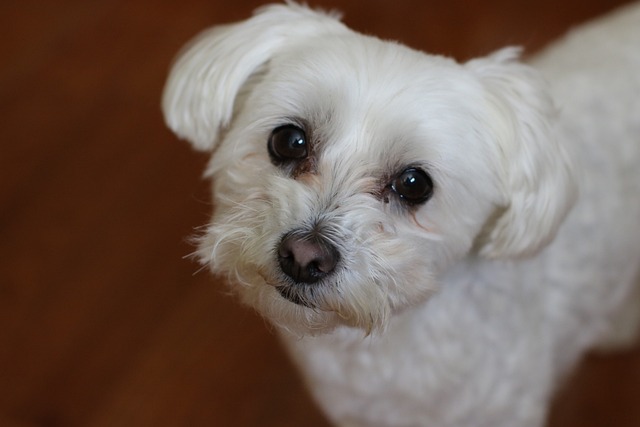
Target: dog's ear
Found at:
x=208, y=75
x=537, y=178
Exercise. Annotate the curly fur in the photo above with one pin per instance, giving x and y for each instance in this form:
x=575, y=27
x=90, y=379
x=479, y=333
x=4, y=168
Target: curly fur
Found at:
x=464, y=310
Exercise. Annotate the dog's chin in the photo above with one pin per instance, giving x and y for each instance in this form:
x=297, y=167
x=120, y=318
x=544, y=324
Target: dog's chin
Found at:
x=290, y=310
x=304, y=309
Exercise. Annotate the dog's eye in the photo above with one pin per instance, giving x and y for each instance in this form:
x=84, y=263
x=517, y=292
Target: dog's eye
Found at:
x=288, y=143
x=413, y=185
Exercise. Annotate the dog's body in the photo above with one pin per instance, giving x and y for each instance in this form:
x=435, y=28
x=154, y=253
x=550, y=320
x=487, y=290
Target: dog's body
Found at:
x=478, y=293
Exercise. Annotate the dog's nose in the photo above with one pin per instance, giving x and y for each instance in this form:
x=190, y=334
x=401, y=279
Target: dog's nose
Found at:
x=306, y=260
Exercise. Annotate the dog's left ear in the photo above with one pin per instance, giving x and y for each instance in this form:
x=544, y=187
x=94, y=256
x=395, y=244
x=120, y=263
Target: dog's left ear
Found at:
x=537, y=178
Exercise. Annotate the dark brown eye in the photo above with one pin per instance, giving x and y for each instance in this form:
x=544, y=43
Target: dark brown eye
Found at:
x=288, y=143
x=413, y=186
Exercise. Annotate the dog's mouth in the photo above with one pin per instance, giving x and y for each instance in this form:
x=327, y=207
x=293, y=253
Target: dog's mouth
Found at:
x=299, y=294
x=302, y=294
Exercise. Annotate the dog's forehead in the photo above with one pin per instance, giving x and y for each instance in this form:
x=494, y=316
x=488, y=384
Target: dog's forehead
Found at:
x=359, y=72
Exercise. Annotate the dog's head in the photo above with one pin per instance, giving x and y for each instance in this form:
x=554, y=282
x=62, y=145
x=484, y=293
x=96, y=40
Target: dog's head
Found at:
x=349, y=173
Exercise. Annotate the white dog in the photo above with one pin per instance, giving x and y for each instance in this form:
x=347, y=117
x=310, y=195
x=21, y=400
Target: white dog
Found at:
x=406, y=220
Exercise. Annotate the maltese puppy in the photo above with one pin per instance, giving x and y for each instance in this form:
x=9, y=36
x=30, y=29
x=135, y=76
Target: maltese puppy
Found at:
x=436, y=242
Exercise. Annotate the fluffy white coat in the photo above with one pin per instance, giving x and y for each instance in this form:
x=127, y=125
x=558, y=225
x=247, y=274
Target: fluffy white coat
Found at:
x=465, y=310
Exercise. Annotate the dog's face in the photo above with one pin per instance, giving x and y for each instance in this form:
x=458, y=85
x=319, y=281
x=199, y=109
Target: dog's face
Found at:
x=350, y=173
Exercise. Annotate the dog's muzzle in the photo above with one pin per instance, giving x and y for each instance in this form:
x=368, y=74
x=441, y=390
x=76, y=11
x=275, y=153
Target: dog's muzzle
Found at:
x=305, y=258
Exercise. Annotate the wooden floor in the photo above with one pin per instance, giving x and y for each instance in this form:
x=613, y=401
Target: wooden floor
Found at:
x=102, y=319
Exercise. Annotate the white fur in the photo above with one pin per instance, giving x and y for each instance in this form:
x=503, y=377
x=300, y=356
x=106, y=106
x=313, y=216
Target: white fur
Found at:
x=468, y=309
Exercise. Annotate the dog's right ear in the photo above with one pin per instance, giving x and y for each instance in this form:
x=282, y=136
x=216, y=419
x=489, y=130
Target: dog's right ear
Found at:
x=208, y=75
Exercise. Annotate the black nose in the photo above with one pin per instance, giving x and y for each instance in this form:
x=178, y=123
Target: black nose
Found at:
x=306, y=259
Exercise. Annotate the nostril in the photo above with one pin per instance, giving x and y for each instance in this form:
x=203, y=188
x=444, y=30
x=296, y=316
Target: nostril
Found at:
x=306, y=260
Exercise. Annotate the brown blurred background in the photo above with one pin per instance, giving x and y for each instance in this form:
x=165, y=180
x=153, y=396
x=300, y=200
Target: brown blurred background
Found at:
x=102, y=320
